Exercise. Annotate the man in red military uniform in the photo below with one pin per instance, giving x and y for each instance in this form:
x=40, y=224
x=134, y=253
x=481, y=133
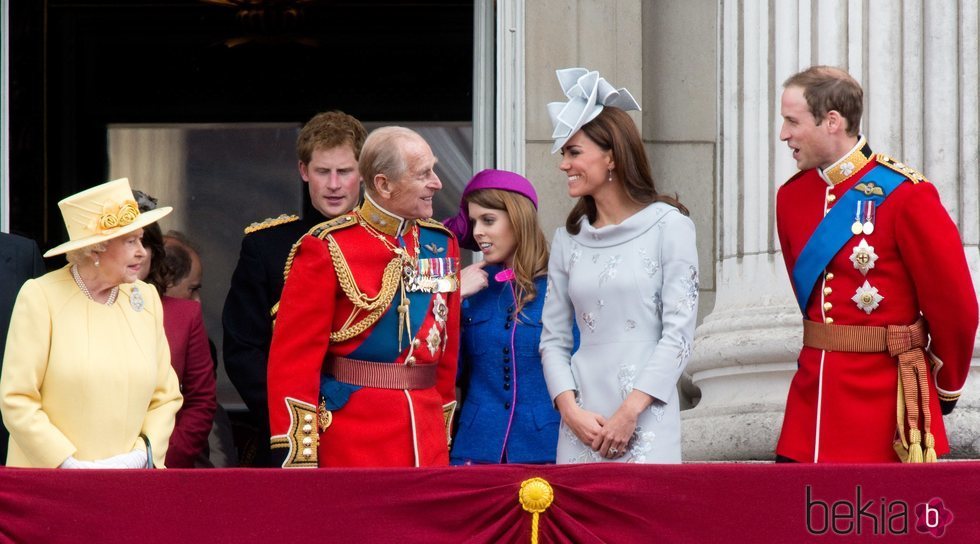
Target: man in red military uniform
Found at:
x=880, y=275
x=362, y=366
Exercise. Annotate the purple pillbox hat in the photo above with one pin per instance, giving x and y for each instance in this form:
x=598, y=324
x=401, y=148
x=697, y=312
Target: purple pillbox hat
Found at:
x=459, y=224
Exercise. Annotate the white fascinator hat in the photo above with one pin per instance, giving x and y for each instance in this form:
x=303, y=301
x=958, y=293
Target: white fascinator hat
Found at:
x=587, y=94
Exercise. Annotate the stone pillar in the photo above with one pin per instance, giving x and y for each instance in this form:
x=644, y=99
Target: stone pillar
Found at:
x=918, y=66
x=680, y=120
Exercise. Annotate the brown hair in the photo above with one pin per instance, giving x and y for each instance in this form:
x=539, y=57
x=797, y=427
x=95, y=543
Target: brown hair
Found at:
x=613, y=130
x=531, y=255
x=161, y=272
x=831, y=89
x=178, y=259
x=328, y=130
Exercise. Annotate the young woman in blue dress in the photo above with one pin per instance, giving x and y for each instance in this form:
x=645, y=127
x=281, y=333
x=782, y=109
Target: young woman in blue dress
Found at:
x=624, y=270
x=507, y=415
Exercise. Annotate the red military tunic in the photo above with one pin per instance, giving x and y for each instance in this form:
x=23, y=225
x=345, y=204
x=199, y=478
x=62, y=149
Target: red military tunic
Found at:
x=374, y=426
x=842, y=405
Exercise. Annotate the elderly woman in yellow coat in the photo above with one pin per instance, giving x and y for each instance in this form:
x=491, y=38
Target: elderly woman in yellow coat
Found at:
x=86, y=380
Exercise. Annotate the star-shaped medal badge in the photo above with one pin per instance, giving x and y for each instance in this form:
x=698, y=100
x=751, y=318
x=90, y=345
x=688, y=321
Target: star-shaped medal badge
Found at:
x=440, y=310
x=433, y=340
x=867, y=297
x=863, y=256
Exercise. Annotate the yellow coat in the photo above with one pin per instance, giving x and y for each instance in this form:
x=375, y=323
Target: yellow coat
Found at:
x=85, y=379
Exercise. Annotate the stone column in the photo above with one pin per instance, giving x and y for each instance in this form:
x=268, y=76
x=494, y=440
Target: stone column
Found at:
x=918, y=66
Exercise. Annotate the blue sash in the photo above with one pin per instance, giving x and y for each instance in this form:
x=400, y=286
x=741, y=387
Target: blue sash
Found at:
x=381, y=344
x=835, y=230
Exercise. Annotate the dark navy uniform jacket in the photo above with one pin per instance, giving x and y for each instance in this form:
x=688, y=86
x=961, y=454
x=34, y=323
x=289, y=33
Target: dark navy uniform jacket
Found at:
x=256, y=286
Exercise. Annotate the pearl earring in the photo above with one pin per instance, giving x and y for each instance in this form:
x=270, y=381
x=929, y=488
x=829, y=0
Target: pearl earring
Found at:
x=96, y=262
x=610, y=174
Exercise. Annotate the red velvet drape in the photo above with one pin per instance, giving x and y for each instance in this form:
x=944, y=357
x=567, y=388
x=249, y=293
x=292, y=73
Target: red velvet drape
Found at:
x=694, y=503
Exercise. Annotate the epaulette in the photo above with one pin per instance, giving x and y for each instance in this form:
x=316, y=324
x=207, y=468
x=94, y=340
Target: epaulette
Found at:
x=321, y=230
x=433, y=224
x=901, y=168
x=271, y=222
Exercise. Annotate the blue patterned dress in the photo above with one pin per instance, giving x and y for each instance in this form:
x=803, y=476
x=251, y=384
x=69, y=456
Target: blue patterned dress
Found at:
x=632, y=288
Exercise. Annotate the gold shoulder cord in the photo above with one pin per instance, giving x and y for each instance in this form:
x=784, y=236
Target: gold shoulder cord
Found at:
x=318, y=231
x=390, y=281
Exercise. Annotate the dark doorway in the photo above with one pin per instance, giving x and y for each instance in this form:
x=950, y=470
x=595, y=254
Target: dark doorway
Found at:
x=77, y=66
x=88, y=77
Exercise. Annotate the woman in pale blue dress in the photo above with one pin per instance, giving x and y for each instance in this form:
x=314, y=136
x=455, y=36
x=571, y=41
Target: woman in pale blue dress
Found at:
x=625, y=268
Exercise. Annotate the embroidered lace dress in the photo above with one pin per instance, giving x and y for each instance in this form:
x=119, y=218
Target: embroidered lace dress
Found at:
x=633, y=290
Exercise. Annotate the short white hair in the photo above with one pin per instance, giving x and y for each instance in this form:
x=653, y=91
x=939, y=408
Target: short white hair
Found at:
x=383, y=154
x=87, y=253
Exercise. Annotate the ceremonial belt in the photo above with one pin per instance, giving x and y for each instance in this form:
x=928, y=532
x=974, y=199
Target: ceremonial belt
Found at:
x=907, y=342
x=833, y=230
x=382, y=375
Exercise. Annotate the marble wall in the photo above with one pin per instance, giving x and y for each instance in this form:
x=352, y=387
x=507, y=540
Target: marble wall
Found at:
x=710, y=74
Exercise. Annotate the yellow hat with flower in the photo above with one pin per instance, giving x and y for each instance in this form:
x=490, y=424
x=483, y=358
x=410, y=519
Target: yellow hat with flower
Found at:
x=102, y=213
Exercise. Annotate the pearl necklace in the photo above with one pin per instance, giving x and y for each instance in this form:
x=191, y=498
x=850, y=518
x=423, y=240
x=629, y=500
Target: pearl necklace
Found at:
x=81, y=285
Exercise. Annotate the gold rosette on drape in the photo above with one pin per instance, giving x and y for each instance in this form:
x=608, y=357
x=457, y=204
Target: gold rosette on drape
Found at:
x=536, y=496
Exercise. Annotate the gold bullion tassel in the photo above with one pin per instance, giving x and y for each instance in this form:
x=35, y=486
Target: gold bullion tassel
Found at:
x=404, y=322
x=930, y=455
x=929, y=441
x=536, y=496
x=913, y=388
x=915, y=446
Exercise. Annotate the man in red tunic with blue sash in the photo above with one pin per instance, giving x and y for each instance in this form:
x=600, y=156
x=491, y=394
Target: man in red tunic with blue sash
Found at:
x=362, y=366
x=880, y=275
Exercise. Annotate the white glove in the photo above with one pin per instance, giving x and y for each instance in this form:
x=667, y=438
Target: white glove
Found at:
x=133, y=459
x=71, y=462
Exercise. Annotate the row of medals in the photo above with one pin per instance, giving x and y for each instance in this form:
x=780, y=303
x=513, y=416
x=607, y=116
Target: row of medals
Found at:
x=864, y=218
x=424, y=281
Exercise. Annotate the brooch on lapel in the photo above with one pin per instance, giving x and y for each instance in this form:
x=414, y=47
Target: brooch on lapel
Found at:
x=136, y=299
